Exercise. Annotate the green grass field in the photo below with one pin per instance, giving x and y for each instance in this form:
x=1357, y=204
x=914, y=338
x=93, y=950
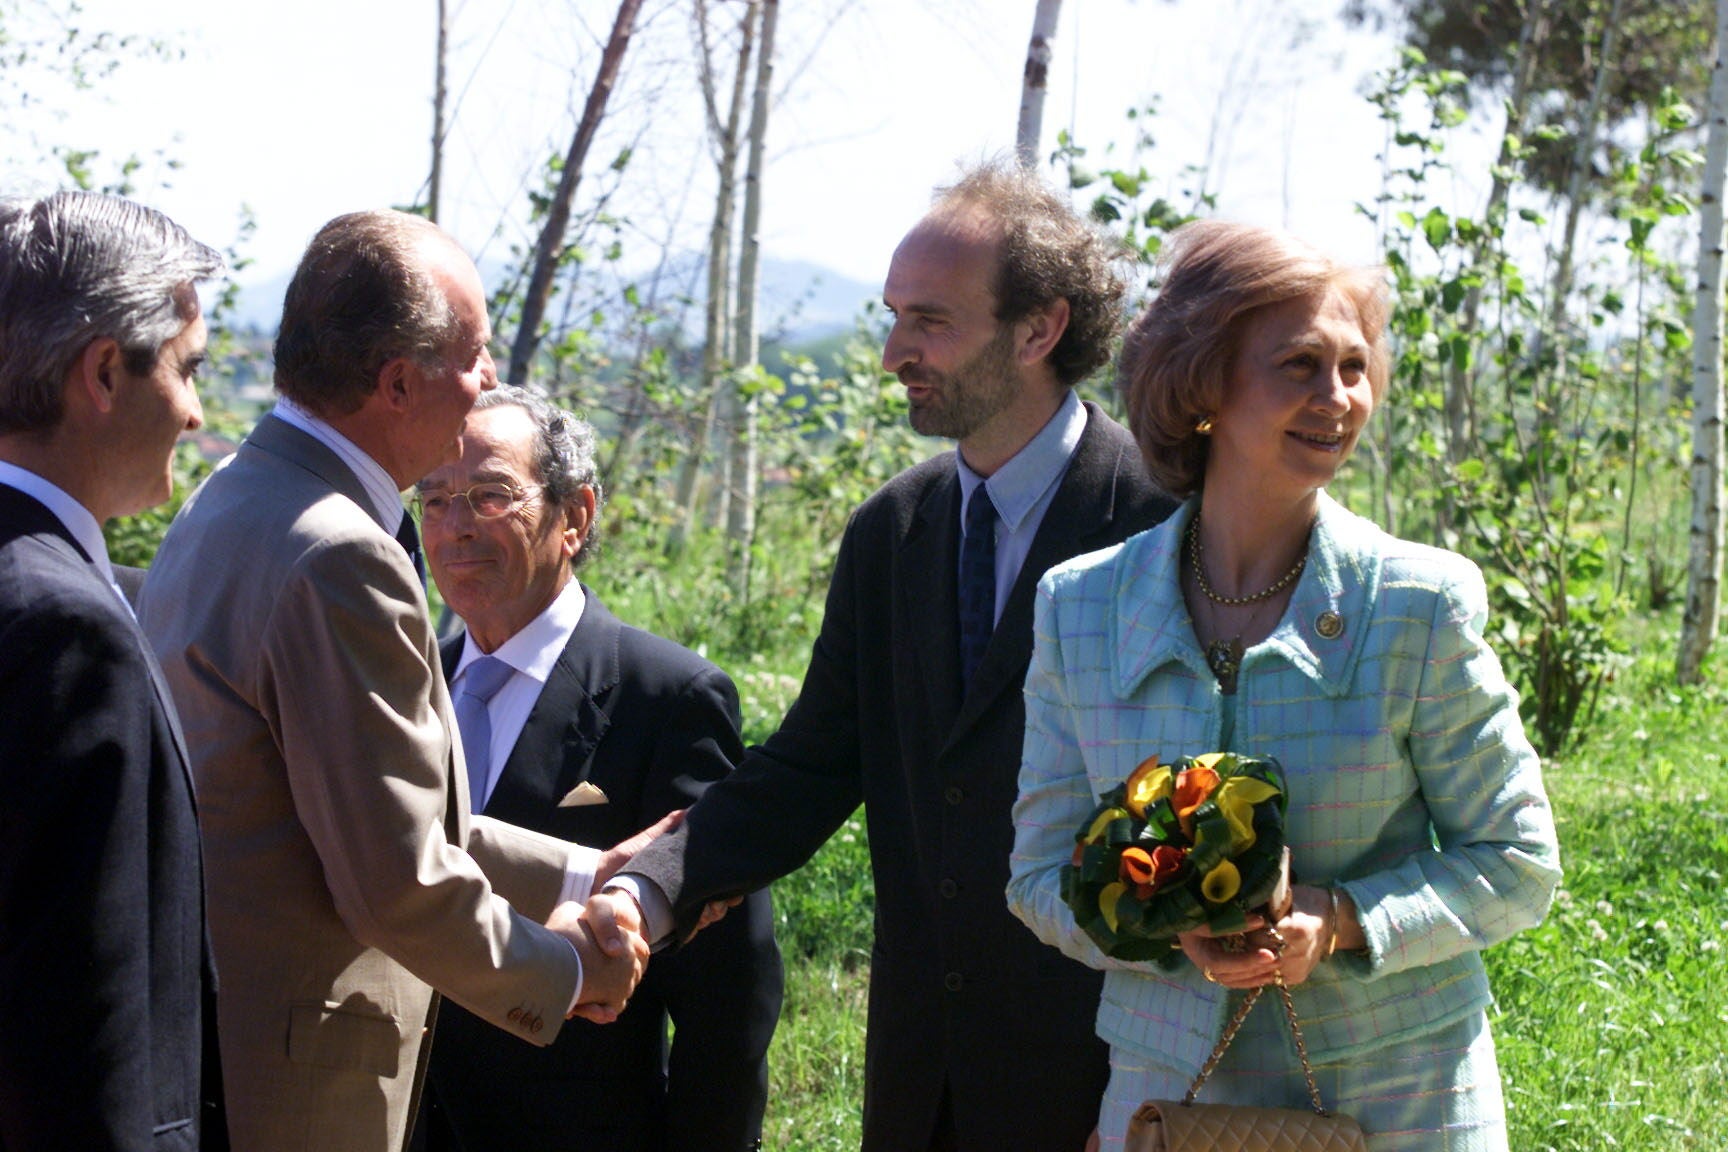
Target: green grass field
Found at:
x=1611, y=1018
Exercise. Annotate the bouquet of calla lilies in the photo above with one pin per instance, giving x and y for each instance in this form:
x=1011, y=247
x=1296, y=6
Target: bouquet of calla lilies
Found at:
x=1175, y=846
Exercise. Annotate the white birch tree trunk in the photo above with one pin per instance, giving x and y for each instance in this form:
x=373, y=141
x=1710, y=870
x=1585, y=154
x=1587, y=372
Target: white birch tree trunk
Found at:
x=1036, y=83
x=716, y=328
x=741, y=516
x=1704, y=560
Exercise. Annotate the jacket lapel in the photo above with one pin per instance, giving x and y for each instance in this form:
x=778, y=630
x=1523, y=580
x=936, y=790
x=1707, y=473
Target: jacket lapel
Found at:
x=927, y=592
x=279, y=438
x=1078, y=520
x=557, y=743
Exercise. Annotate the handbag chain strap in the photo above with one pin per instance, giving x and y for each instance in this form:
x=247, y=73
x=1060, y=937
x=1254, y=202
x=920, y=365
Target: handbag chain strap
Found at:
x=1235, y=1025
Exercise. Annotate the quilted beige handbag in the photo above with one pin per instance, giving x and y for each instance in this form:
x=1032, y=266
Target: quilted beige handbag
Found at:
x=1169, y=1126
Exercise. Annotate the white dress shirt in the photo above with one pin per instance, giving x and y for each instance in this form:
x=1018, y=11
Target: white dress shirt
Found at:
x=532, y=654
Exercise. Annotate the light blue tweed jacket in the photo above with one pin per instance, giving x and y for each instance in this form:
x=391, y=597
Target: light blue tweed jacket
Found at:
x=1410, y=779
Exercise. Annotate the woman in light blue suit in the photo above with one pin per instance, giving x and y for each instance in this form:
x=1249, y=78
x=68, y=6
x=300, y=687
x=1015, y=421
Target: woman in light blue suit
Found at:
x=1264, y=618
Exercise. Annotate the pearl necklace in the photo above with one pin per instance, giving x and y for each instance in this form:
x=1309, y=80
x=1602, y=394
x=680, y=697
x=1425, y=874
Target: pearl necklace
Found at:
x=1236, y=601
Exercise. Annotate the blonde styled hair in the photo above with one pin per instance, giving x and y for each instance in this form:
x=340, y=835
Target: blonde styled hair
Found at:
x=1178, y=354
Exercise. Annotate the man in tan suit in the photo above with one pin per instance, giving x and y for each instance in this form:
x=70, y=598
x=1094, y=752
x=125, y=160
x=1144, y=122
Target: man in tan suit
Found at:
x=347, y=878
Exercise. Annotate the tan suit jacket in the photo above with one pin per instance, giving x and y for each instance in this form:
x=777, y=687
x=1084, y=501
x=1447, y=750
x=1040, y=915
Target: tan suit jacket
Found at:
x=346, y=877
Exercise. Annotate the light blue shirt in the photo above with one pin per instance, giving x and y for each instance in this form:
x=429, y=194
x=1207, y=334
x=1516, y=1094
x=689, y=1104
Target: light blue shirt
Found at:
x=532, y=654
x=1023, y=488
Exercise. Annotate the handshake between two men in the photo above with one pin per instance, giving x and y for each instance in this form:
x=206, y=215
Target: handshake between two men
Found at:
x=609, y=934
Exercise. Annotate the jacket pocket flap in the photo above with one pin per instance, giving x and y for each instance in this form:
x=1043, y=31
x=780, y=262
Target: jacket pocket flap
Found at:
x=330, y=1036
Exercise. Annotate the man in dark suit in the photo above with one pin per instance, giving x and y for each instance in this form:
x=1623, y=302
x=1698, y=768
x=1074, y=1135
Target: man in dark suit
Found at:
x=978, y=1036
x=589, y=730
x=106, y=983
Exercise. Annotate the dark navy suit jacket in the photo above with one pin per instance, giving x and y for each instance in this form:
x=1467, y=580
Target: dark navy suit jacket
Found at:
x=107, y=1012
x=964, y=1001
x=650, y=724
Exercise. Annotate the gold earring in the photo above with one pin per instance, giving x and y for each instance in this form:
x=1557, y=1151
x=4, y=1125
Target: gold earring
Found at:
x=1204, y=428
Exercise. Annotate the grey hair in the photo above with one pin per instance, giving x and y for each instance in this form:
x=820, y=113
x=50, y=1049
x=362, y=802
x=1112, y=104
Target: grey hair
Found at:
x=77, y=267
x=564, y=454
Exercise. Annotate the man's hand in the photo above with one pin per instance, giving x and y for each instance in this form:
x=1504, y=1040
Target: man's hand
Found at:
x=613, y=859
x=607, y=933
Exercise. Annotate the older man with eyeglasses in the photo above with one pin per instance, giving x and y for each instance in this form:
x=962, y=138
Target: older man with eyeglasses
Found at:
x=580, y=726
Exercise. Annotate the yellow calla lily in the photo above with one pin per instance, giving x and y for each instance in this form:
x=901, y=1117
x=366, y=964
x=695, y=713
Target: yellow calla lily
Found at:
x=1210, y=759
x=1236, y=798
x=1147, y=784
x=1221, y=883
x=1107, y=902
x=1105, y=818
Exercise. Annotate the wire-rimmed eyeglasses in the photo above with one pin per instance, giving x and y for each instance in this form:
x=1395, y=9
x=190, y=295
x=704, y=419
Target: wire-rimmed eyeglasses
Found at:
x=487, y=501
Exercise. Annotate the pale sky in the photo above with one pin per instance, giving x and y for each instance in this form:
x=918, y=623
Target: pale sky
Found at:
x=308, y=110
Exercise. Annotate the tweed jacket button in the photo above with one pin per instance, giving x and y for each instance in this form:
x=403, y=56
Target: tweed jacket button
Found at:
x=949, y=889
x=513, y=1015
x=953, y=794
x=1330, y=625
x=953, y=981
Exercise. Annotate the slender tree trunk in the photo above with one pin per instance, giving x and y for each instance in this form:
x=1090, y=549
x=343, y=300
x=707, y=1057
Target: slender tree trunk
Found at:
x=440, y=94
x=741, y=518
x=550, y=245
x=1575, y=190
x=1460, y=399
x=1704, y=561
x=1036, y=83
x=716, y=331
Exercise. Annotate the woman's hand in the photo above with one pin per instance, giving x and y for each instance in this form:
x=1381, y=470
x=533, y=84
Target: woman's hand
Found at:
x=1255, y=958
x=1241, y=960
x=1308, y=931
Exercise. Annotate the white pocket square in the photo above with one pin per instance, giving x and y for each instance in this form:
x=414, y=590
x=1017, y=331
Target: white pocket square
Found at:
x=582, y=795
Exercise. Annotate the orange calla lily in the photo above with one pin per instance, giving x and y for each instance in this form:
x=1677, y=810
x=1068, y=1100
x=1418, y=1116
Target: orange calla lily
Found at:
x=1136, y=866
x=1192, y=788
x=1166, y=862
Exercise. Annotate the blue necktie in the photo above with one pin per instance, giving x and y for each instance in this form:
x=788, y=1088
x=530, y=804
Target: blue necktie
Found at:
x=409, y=538
x=480, y=682
x=977, y=582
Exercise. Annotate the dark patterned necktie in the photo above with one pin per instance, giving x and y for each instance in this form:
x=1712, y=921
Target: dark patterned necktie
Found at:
x=409, y=538
x=977, y=582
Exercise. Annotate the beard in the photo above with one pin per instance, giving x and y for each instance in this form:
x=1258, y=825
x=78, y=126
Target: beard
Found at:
x=969, y=397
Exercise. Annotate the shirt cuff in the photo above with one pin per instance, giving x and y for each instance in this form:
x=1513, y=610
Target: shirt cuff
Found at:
x=579, y=869
x=576, y=996
x=657, y=920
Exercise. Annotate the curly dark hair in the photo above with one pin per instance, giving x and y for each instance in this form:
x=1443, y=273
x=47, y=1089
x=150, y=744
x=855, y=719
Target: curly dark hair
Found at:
x=1179, y=353
x=1049, y=253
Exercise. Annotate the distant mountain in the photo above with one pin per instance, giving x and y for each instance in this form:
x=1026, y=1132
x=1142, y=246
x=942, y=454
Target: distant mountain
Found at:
x=799, y=302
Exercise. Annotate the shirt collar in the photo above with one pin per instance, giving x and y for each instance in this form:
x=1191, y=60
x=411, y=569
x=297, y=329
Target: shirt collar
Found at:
x=1016, y=487
x=77, y=519
x=534, y=651
x=381, y=490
